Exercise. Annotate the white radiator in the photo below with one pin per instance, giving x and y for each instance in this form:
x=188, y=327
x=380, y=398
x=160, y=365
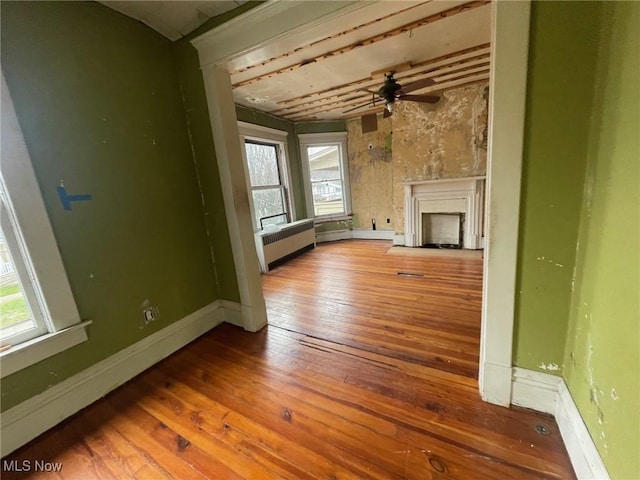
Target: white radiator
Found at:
x=273, y=246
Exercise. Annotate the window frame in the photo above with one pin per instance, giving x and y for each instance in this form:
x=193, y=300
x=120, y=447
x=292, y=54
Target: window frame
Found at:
x=338, y=139
x=30, y=225
x=257, y=134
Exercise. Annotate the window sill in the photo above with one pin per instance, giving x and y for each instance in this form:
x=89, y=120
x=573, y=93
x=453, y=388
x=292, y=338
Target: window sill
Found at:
x=33, y=351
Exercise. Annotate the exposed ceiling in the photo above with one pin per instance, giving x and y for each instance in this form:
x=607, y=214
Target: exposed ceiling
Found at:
x=324, y=71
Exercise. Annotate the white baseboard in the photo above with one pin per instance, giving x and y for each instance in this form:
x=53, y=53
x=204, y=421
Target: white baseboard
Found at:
x=333, y=236
x=359, y=234
x=373, y=234
x=398, y=239
x=585, y=458
x=232, y=313
x=496, y=383
x=548, y=393
x=535, y=390
x=34, y=416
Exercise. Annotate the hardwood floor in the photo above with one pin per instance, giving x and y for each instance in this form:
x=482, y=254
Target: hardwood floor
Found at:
x=362, y=374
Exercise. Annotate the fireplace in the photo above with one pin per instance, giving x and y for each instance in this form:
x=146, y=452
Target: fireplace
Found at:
x=442, y=230
x=451, y=209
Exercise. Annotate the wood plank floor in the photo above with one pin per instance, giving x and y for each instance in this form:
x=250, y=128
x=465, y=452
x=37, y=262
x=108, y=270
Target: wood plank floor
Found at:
x=362, y=374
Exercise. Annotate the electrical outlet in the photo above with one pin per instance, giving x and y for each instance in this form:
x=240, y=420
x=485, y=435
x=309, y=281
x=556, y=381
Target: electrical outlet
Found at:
x=149, y=314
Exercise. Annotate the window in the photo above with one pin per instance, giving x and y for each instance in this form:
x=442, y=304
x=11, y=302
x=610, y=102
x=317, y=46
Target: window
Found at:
x=268, y=176
x=267, y=188
x=326, y=172
x=20, y=314
x=39, y=314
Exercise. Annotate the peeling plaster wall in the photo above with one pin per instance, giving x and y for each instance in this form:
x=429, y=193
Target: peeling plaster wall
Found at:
x=418, y=142
x=602, y=356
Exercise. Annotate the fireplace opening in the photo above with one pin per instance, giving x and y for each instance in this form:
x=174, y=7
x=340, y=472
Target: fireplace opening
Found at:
x=442, y=230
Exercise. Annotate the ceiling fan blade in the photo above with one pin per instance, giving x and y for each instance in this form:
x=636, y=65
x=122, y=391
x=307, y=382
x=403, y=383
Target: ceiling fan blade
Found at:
x=370, y=102
x=410, y=87
x=419, y=98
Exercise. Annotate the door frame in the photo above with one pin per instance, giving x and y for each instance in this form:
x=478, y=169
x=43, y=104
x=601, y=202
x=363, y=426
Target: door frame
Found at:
x=273, y=21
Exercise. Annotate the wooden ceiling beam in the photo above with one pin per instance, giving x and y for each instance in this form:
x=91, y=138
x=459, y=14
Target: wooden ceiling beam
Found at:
x=325, y=39
x=339, y=99
x=369, y=41
x=448, y=59
x=456, y=84
x=461, y=81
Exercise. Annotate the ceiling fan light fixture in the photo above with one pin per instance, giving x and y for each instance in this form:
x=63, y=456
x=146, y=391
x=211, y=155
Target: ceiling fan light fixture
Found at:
x=389, y=107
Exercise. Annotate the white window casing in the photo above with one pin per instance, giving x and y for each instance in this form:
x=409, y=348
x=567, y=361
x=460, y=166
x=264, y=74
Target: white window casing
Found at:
x=25, y=220
x=338, y=139
x=265, y=135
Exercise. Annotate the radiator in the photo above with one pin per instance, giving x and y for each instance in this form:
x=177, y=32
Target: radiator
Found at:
x=275, y=246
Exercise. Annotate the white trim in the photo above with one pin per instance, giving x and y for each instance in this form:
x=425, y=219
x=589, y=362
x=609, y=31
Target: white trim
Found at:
x=224, y=126
x=535, y=390
x=36, y=415
x=260, y=132
x=583, y=453
x=39, y=348
x=398, y=239
x=263, y=25
x=461, y=195
x=334, y=235
x=361, y=234
x=373, y=234
x=250, y=131
x=331, y=137
x=508, y=90
x=34, y=228
x=232, y=313
x=338, y=139
x=548, y=393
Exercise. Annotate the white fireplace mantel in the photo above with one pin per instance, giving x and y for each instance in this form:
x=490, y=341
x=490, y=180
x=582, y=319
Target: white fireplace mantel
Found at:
x=448, y=195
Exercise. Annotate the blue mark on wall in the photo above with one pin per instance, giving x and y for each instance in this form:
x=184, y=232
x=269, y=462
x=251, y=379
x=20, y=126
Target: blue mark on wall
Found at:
x=66, y=199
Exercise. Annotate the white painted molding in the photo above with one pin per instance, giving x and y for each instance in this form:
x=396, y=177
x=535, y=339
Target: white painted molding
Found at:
x=548, y=393
x=333, y=236
x=507, y=100
x=357, y=233
x=258, y=131
x=399, y=239
x=232, y=313
x=265, y=24
x=37, y=349
x=449, y=195
x=34, y=228
x=27, y=420
x=372, y=234
x=233, y=180
x=583, y=453
x=535, y=390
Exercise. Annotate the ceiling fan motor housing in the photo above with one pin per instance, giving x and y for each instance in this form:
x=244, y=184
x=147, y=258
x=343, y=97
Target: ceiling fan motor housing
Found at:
x=389, y=89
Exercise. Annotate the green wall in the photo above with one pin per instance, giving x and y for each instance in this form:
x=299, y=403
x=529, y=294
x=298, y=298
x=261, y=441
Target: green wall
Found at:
x=602, y=359
x=562, y=55
x=98, y=99
x=201, y=137
x=578, y=269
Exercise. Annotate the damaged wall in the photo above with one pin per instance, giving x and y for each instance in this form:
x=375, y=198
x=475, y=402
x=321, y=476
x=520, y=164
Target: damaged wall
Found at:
x=418, y=142
x=602, y=356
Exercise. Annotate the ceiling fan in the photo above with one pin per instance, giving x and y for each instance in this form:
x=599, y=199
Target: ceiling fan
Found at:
x=392, y=91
